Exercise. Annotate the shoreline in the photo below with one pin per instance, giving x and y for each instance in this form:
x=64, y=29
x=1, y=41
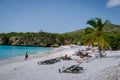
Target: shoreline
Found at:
x=18, y=59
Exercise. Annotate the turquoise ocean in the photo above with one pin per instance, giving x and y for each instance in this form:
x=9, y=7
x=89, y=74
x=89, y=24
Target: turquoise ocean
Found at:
x=8, y=52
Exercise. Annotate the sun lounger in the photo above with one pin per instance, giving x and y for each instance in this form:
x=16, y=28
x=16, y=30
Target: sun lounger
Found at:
x=71, y=69
x=49, y=61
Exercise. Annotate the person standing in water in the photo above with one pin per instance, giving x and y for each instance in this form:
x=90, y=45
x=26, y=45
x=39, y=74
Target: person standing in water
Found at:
x=26, y=55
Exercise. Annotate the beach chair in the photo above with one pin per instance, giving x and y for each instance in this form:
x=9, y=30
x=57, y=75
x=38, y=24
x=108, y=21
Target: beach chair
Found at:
x=49, y=61
x=71, y=69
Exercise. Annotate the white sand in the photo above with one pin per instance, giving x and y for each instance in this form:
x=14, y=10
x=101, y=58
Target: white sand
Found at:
x=98, y=69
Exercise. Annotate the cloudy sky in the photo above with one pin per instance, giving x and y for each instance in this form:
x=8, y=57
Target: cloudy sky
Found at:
x=57, y=16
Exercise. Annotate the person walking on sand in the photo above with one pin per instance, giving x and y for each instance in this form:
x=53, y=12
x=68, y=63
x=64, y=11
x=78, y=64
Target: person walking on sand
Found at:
x=26, y=55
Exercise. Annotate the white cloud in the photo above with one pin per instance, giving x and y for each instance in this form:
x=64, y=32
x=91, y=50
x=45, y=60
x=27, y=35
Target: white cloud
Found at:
x=113, y=3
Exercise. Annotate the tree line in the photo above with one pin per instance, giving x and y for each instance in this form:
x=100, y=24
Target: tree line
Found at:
x=93, y=34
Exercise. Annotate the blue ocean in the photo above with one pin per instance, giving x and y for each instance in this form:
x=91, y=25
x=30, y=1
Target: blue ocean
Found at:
x=7, y=52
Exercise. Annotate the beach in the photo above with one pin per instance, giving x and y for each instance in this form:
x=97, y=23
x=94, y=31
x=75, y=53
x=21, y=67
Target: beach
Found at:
x=106, y=68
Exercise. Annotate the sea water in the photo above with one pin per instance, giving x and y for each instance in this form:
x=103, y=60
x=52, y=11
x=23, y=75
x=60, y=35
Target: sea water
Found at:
x=7, y=52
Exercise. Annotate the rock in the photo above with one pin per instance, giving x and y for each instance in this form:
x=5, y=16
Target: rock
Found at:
x=0, y=40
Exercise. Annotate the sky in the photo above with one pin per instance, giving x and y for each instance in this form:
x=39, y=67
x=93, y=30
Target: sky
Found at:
x=56, y=16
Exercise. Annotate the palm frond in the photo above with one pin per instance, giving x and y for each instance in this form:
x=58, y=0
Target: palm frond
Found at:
x=99, y=22
x=102, y=42
x=92, y=23
x=88, y=30
x=97, y=32
x=91, y=39
x=106, y=22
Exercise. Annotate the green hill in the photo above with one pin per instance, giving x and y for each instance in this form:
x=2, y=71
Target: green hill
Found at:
x=112, y=28
x=107, y=28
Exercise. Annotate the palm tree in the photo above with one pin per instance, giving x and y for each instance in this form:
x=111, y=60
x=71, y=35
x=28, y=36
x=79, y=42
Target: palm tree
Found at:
x=95, y=33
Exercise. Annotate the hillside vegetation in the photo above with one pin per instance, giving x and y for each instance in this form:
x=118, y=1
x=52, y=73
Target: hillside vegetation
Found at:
x=53, y=39
x=112, y=28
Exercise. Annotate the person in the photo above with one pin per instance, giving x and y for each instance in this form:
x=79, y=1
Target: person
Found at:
x=66, y=57
x=26, y=55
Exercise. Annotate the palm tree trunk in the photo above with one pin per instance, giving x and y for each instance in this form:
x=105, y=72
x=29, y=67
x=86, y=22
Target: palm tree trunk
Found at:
x=99, y=50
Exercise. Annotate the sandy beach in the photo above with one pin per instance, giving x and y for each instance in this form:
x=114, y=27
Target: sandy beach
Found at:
x=106, y=68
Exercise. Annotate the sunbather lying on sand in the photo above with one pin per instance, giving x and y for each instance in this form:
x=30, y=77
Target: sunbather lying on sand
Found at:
x=85, y=59
x=66, y=57
x=82, y=55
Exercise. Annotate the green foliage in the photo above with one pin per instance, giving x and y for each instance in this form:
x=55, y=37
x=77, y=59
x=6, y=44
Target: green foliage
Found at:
x=32, y=39
x=113, y=39
x=111, y=35
x=2, y=35
x=96, y=33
